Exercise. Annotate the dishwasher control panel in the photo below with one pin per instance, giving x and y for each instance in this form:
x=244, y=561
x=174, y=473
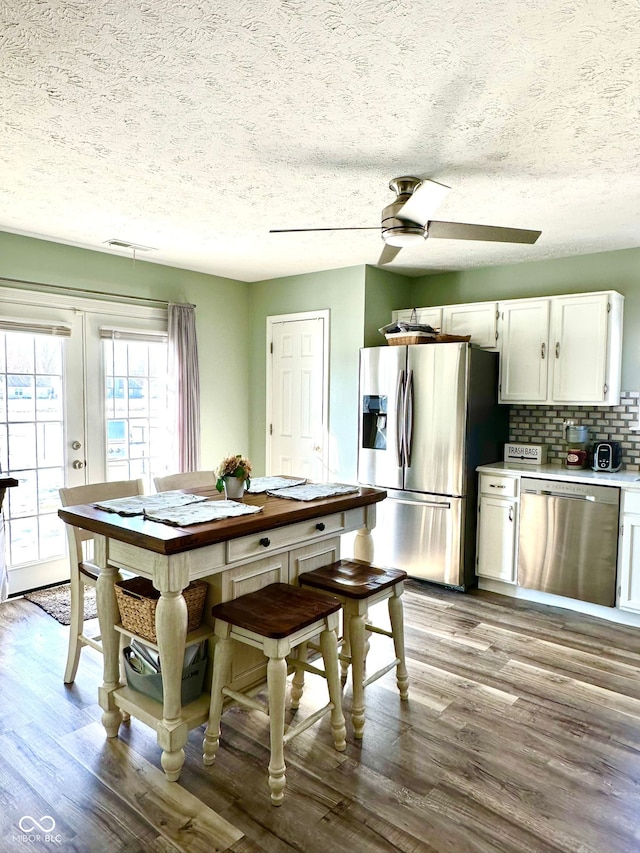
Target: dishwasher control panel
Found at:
x=563, y=488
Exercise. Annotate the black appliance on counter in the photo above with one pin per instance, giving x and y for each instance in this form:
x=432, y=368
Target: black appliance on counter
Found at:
x=607, y=456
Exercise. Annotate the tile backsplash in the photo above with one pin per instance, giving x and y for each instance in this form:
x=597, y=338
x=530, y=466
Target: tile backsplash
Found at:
x=543, y=425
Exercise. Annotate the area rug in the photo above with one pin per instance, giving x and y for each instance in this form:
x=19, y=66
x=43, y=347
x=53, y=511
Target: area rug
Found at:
x=56, y=601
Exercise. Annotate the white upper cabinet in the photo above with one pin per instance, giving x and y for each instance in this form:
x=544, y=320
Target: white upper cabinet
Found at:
x=564, y=349
x=580, y=340
x=426, y=316
x=555, y=349
x=478, y=319
x=524, y=350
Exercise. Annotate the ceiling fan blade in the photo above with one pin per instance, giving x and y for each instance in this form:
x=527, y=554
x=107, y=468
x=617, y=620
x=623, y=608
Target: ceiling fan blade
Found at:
x=423, y=202
x=388, y=254
x=465, y=231
x=298, y=230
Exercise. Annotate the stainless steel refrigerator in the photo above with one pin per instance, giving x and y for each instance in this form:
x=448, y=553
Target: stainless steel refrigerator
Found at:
x=428, y=417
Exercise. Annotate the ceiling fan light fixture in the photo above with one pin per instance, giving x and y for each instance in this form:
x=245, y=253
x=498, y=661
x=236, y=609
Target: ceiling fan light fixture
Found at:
x=406, y=235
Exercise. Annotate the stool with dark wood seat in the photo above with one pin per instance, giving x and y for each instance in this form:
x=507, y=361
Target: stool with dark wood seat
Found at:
x=276, y=619
x=358, y=585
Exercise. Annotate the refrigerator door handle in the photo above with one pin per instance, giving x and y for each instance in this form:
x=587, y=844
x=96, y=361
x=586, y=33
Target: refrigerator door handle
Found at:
x=399, y=417
x=434, y=504
x=408, y=419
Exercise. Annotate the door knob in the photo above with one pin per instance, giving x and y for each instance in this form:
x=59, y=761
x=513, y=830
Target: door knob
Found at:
x=76, y=445
x=78, y=464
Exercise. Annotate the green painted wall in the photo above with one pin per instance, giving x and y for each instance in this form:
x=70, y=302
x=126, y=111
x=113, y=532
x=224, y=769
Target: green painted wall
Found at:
x=385, y=291
x=222, y=305
x=604, y=271
x=343, y=293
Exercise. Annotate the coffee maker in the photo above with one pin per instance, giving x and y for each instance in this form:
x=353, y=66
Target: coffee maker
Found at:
x=577, y=445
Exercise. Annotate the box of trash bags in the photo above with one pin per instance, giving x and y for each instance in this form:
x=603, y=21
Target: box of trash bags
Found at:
x=143, y=673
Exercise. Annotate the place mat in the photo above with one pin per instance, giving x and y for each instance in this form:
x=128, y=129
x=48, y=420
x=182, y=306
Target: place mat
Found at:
x=259, y=485
x=314, y=491
x=201, y=512
x=139, y=503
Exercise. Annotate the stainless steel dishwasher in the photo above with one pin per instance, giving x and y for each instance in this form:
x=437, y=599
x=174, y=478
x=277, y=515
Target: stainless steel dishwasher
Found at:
x=568, y=539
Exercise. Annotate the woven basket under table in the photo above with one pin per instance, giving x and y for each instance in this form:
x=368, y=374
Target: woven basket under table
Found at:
x=138, y=599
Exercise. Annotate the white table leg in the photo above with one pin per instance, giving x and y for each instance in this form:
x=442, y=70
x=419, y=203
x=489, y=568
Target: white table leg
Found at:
x=108, y=616
x=171, y=630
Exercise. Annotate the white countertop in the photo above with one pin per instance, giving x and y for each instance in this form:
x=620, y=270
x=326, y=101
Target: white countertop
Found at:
x=623, y=479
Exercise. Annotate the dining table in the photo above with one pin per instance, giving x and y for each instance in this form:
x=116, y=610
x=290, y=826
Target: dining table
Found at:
x=276, y=541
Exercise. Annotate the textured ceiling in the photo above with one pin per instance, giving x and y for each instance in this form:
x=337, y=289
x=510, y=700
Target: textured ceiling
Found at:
x=195, y=126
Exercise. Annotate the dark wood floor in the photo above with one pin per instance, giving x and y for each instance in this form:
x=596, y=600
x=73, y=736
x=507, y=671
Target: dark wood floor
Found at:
x=522, y=733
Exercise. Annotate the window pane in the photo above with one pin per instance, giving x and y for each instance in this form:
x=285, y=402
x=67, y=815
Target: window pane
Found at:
x=24, y=500
x=138, y=359
x=52, y=536
x=49, y=481
x=23, y=539
x=20, y=352
x=49, y=398
x=22, y=446
x=21, y=394
x=48, y=355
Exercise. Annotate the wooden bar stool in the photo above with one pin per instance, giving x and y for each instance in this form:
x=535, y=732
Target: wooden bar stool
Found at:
x=358, y=585
x=276, y=619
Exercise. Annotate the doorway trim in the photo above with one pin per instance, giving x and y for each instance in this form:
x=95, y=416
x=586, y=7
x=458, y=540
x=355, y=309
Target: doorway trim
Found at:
x=323, y=314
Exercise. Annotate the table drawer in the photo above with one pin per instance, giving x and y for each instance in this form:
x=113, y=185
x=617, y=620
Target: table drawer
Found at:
x=493, y=485
x=283, y=537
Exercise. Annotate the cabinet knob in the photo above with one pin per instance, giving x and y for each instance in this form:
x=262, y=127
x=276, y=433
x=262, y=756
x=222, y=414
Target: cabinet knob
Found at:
x=265, y=541
x=320, y=525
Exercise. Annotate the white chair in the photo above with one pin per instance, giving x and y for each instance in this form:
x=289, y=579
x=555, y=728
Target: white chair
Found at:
x=186, y=480
x=83, y=571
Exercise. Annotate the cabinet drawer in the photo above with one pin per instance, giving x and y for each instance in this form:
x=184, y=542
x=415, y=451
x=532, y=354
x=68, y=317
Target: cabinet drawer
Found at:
x=494, y=485
x=283, y=537
x=631, y=502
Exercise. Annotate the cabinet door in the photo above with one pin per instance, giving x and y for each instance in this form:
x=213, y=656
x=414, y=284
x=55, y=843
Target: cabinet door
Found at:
x=426, y=316
x=630, y=564
x=579, y=327
x=524, y=350
x=478, y=320
x=497, y=525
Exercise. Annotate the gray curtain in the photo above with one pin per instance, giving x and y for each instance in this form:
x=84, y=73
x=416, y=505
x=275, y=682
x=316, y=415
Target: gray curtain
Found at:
x=184, y=378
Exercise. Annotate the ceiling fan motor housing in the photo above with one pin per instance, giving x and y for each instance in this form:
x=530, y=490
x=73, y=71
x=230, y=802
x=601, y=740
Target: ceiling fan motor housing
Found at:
x=401, y=232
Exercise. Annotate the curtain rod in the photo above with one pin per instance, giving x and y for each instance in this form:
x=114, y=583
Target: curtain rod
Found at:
x=39, y=285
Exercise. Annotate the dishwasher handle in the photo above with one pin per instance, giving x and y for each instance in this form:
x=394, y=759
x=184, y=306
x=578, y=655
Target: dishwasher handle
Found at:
x=547, y=493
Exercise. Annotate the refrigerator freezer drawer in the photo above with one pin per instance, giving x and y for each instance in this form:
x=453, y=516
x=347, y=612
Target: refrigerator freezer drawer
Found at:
x=421, y=534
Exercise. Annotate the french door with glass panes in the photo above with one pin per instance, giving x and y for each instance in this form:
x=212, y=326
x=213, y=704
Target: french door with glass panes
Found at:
x=83, y=399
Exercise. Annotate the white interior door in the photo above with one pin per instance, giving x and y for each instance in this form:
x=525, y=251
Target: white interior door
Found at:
x=297, y=395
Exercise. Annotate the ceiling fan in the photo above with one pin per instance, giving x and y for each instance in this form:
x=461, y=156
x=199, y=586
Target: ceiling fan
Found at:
x=406, y=220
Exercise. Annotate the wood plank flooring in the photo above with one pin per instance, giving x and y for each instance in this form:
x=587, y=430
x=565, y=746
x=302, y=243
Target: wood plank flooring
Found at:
x=521, y=735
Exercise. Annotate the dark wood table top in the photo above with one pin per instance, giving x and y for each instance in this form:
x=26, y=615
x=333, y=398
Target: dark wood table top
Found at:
x=165, y=539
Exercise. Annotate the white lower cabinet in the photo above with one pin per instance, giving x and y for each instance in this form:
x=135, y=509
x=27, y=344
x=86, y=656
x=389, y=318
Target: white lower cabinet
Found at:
x=629, y=561
x=497, y=528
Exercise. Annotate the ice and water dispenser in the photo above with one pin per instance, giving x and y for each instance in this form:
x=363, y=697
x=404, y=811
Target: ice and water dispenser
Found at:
x=374, y=421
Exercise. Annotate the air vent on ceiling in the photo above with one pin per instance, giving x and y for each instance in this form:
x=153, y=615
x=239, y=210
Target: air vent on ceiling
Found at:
x=125, y=244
